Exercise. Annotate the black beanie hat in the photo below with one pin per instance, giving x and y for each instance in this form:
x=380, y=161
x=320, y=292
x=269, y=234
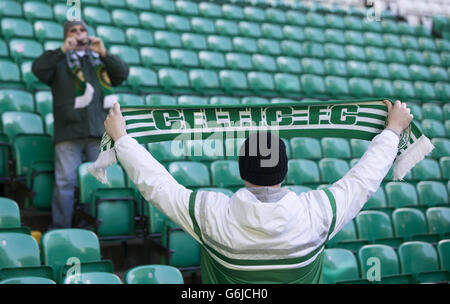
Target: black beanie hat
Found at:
x=69, y=24
x=263, y=160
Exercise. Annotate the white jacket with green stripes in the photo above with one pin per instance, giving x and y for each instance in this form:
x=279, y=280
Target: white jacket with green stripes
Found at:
x=245, y=240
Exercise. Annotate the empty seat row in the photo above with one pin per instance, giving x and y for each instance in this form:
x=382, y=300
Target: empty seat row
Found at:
x=413, y=262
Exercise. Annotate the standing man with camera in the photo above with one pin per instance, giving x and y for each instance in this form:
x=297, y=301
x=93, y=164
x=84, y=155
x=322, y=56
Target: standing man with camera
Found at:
x=81, y=75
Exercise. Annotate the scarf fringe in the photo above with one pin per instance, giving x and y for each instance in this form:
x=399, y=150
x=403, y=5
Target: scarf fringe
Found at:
x=410, y=157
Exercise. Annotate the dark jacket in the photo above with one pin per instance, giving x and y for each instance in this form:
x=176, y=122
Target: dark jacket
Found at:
x=70, y=123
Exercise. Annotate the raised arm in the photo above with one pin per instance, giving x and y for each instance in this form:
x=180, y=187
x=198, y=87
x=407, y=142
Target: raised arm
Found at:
x=151, y=178
x=353, y=190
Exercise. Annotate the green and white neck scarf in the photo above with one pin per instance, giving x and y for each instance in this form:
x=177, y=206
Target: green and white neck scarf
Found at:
x=360, y=119
x=84, y=91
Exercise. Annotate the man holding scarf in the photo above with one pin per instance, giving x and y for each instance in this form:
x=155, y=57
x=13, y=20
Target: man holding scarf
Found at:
x=81, y=74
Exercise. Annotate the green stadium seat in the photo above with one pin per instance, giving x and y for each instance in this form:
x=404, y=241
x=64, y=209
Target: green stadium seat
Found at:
x=439, y=220
x=419, y=72
x=314, y=34
x=288, y=65
x=96, y=15
x=93, y=278
x=295, y=17
x=424, y=90
x=128, y=54
x=272, y=31
x=399, y=71
x=354, y=37
x=187, y=8
x=416, y=110
x=233, y=12
x=315, y=20
x=334, y=51
x=414, y=57
x=138, y=5
x=246, y=45
x=409, y=42
x=153, y=21
x=239, y=61
x=383, y=88
x=392, y=41
x=444, y=163
x=313, y=49
x=445, y=57
x=332, y=169
x=126, y=99
x=264, y=63
x=334, y=21
x=202, y=25
x=33, y=10
x=426, y=44
x=401, y=194
x=335, y=67
x=334, y=36
x=10, y=218
x=438, y=74
x=192, y=100
x=139, y=37
x=302, y=171
x=354, y=52
x=395, y=55
x=224, y=100
x=178, y=23
x=339, y=265
x=221, y=43
x=58, y=246
x=375, y=54
x=313, y=66
x=305, y=147
x=287, y=83
x=166, y=39
x=190, y=174
x=373, y=39
x=403, y=89
x=312, y=84
x=10, y=9
x=19, y=256
x=346, y=238
x=353, y=23
x=253, y=13
x=432, y=193
x=335, y=147
x=358, y=147
x=172, y=79
x=442, y=90
x=142, y=79
x=167, y=151
x=14, y=123
x=15, y=27
x=444, y=254
x=360, y=87
x=376, y=226
x=269, y=46
x=389, y=26
x=210, y=10
x=28, y=280
x=420, y=259
x=405, y=28
x=225, y=174
x=295, y=33
x=46, y=30
x=153, y=274
x=183, y=250
x=432, y=111
x=410, y=224
x=432, y=58
x=154, y=57
x=183, y=58
x=377, y=201
x=226, y=27
x=212, y=60
x=291, y=48
x=16, y=100
x=387, y=258
x=3, y=49
x=163, y=6
x=203, y=80
x=357, y=69
x=232, y=80
x=125, y=18
x=111, y=35
x=275, y=15
x=433, y=128
x=260, y=81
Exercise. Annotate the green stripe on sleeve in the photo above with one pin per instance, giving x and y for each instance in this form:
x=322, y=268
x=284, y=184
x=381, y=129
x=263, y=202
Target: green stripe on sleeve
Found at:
x=192, y=214
x=333, y=209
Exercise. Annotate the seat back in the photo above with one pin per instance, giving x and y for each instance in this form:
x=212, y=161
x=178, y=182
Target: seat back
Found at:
x=408, y=222
x=18, y=250
x=373, y=225
x=154, y=274
x=438, y=220
x=14, y=123
x=93, y=278
x=418, y=257
x=9, y=213
x=388, y=259
x=339, y=265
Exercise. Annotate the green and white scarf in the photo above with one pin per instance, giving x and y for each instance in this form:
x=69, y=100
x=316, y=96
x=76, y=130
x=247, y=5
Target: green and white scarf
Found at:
x=84, y=91
x=360, y=119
